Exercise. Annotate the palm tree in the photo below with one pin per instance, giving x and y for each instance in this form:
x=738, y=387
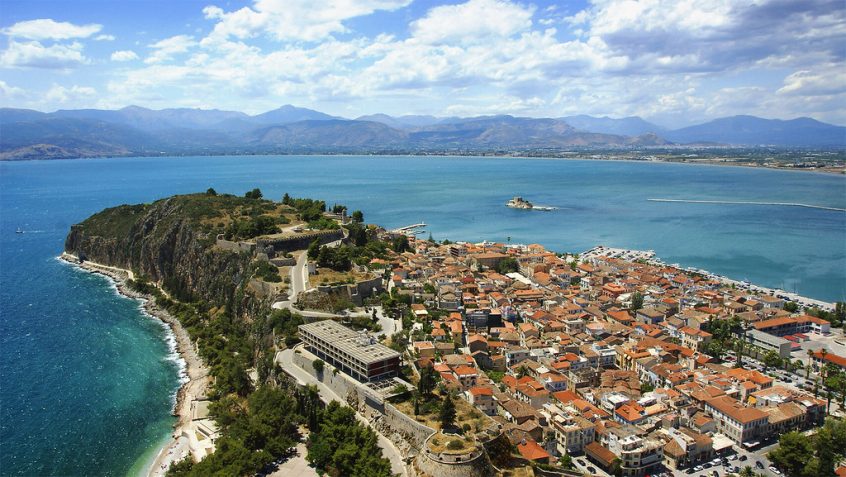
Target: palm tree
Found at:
x=808, y=369
x=747, y=472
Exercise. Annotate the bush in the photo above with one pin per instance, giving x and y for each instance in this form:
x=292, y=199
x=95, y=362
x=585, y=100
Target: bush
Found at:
x=267, y=272
x=318, y=365
x=455, y=444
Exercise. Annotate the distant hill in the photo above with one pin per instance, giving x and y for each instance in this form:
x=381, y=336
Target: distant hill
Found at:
x=66, y=137
x=155, y=120
x=751, y=130
x=405, y=122
x=508, y=131
x=629, y=126
x=28, y=134
x=290, y=114
x=335, y=134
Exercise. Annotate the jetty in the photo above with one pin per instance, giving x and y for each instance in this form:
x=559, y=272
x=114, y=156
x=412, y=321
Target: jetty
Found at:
x=408, y=229
x=739, y=202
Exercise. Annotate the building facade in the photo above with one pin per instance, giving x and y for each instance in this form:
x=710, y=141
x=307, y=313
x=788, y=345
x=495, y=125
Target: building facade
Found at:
x=357, y=354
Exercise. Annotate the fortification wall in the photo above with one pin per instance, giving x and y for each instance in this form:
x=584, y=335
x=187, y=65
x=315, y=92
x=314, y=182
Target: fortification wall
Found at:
x=231, y=246
x=473, y=464
x=406, y=433
x=300, y=241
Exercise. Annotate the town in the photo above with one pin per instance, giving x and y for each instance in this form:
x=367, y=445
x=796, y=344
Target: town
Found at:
x=605, y=363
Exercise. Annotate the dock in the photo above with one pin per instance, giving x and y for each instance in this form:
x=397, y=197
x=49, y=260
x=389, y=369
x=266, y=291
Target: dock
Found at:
x=408, y=229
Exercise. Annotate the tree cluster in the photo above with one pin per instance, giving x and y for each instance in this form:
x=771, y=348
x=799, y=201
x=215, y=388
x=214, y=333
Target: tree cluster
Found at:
x=251, y=227
x=309, y=210
x=340, y=445
x=253, y=434
x=253, y=194
x=507, y=265
x=799, y=455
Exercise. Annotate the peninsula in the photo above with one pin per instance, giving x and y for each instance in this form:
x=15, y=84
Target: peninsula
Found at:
x=309, y=334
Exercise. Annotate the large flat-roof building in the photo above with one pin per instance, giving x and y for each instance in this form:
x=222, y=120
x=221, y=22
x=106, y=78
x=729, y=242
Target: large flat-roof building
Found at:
x=770, y=342
x=355, y=353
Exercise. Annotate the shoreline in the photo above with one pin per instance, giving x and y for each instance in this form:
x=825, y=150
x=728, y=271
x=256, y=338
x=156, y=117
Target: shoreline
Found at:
x=194, y=380
x=650, y=257
x=833, y=170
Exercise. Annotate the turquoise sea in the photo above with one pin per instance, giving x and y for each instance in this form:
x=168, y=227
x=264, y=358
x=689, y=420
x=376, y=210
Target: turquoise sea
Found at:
x=87, y=380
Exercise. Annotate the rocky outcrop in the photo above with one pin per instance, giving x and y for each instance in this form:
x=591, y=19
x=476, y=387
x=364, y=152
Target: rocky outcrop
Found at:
x=164, y=243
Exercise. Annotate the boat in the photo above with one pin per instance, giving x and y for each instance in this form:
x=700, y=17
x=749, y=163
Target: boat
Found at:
x=19, y=231
x=520, y=203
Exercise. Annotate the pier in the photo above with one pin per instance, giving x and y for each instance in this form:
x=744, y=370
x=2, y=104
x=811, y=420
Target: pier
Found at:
x=736, y=202
x=408, y=228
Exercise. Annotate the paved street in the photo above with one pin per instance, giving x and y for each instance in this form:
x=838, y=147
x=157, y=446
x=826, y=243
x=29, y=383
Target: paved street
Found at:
x=296, y=466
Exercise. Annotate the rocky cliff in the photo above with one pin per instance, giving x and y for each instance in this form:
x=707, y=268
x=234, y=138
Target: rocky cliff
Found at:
x=170, y=242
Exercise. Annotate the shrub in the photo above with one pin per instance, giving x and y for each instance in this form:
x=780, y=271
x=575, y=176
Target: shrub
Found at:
x=455, y=444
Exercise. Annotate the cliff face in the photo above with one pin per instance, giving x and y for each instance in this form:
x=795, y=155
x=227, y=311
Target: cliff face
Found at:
x=164, y=242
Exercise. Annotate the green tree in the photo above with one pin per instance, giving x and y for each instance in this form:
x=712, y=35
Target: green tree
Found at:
x=428, y=381
x=791, y=306
x=342, y=446
x=318, y=366
x=254, y=194
x=793, y=452
x=358, y=216
x=747, y=471
x=313, y=249
x=507, y=265
x=400, y=244
x=447, y=414
x=637, y=301
x=771, y=359
x=211, y=191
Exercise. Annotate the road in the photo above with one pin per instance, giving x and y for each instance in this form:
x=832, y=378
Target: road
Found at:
x=299, y=283
x=285, y=359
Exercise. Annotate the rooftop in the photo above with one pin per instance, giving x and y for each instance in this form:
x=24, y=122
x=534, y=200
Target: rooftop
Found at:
x=360, y=346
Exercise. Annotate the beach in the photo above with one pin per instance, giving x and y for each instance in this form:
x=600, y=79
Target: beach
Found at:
x=196, y=373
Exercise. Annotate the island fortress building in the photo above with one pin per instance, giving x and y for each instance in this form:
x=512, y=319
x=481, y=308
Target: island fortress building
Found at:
x=357, y=354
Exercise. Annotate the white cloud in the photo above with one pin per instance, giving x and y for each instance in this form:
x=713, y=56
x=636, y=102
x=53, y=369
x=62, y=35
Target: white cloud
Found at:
x=828, y=79
x=306, y=20
x=47, y=29
x=10, y=92
x=472, y=22
x=104, y=38
x=33, y=54
x=60, y=94
x=166, y=49
x=124, y=55
x=681, y=61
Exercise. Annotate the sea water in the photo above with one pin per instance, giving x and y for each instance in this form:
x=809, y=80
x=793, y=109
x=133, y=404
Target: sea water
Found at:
x=87, y=380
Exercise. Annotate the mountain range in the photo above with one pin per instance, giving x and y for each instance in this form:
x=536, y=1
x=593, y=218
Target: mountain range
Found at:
x=29, y=134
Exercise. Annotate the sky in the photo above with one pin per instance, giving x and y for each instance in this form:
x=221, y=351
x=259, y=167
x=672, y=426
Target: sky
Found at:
x=675, y=62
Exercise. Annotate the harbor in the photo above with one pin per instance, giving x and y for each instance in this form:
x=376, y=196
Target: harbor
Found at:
x=649, y=256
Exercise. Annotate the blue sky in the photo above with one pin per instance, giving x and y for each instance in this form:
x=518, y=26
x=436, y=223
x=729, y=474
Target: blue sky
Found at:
x=674, y=62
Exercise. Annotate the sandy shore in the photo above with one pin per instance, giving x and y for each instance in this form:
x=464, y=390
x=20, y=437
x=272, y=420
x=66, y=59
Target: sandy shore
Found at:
x=197, y=372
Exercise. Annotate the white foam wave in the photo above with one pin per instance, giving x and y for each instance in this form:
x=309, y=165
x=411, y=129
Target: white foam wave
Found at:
x=173, y=355
x=169, y=337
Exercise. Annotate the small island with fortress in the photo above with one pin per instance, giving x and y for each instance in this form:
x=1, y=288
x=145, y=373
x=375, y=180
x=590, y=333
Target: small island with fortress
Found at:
x=520, y=203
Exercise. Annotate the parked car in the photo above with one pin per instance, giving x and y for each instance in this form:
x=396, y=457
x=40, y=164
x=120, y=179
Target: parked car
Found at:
x=759, y=464
x=743, y=458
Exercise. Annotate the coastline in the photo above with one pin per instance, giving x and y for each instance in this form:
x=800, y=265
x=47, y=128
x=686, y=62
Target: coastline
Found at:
x=835, y=170
x=196, y=374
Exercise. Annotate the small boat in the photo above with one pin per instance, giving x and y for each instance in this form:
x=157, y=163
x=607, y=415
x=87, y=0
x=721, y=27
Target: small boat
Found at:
x=19, y=231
